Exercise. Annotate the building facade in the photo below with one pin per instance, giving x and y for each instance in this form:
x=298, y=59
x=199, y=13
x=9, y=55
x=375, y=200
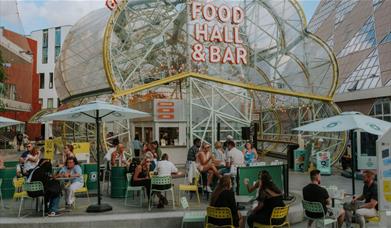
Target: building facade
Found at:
x=359, y=33
x=49, y=47
x=20, y=97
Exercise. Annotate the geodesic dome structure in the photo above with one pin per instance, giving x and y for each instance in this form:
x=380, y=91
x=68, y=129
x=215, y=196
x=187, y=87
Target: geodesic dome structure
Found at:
x=147, y=46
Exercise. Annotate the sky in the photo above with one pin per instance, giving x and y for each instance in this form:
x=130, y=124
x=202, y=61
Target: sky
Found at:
x=40, y=14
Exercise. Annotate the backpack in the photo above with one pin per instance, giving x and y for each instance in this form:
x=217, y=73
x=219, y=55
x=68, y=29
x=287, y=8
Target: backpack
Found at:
x=133, y=165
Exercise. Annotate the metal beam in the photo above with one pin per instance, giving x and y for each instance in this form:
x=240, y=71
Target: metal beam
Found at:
x=217, y=79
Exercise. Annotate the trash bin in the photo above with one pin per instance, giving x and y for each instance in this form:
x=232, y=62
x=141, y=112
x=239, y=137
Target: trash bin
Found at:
x=91, y=171
x=118, y=182
x=7, y=188
x=11, y=164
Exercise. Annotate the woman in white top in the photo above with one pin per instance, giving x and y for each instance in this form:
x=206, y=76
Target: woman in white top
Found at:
x=31, y=160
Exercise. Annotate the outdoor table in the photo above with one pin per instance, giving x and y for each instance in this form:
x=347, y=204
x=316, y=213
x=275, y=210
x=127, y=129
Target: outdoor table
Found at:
x=245, y=199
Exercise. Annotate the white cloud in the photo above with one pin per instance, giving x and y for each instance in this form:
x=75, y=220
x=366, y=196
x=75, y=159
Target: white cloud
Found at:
x=51, y=13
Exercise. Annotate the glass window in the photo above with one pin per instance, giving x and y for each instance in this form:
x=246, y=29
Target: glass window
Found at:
x=57, y=38
x=51, y=80
x=386, y=39
x=343, y=9
x=45, y=40
x=363, y=39
x=42, y=80
x=321, y=15
x=50, y=103
x=365, y=76
x=169, y=136
x=381, y=109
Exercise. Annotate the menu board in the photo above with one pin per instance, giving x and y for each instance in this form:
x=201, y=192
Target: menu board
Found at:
x=384, y=171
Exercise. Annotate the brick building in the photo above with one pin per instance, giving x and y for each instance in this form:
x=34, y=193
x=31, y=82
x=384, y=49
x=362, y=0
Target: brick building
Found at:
x=21, y=100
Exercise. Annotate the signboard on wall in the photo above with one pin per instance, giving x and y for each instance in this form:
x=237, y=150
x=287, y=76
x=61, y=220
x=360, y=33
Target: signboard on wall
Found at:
x=383, y=147
x=168, y=110
x=366, y=150
x=82, y=151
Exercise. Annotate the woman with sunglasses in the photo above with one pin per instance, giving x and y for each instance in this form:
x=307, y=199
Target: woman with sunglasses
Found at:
x=205, y=163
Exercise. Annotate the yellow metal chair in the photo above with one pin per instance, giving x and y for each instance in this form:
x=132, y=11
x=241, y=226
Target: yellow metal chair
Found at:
x=190, y=188
x=19, y=193
x=218, y=213
x=375, y=219
x=278, y=213
x=84, y=189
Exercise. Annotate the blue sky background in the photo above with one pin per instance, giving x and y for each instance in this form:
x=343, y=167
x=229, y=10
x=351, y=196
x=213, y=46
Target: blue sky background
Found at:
x=39, y=14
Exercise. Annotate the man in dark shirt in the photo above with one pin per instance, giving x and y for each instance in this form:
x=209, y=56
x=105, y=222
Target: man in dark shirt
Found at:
x=368, y=206
x=313, y=192
x=191, y=154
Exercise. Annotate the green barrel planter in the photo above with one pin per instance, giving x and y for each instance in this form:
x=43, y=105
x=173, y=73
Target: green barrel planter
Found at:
x=91, y=171
x=7, y=188
x=118, y=182
x=10, y=164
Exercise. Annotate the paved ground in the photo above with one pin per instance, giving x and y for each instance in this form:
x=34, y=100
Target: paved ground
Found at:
x=166, y=217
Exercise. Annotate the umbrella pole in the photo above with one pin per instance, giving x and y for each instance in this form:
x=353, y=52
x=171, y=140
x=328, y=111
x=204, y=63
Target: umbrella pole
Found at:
x=353, y=148
x=98, y=207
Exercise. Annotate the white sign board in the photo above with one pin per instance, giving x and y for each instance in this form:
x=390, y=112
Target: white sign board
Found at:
x=383, y=148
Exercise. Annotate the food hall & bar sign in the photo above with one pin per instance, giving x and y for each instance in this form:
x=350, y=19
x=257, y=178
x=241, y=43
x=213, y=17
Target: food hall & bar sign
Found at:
x=226, y=30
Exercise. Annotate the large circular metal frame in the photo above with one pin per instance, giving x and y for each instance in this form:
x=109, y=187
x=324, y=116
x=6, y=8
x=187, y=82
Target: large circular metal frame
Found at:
x=145, y=46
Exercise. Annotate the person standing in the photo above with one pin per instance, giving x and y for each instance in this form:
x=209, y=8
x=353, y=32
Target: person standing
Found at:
x=313, y=192
x=366, y=203
x=156, y=151
x=137, y=146
x=72, y=171
x=191, y=154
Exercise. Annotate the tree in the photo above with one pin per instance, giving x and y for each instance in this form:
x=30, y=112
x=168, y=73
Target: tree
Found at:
x=3, y=78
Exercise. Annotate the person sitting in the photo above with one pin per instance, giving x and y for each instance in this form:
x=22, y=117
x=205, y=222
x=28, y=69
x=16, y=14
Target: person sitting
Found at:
x=269, y=197
x=31, y=160
x=52, y=187
x=141, y=178
x=249, y=153
x=68, y=153
x=156, y=151
x=22, y=158
x=118, y=157
x=367, y=202
x=153, y=164
x=235, y=156
x=223, y=196
x=205, y=164
x=219, y=155
x=256, y=185
x=313, y=192
x=72, y=171
x=166, y=167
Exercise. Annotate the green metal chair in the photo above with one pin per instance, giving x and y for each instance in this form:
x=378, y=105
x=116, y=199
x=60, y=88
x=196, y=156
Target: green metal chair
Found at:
x=191, y=216
x=1, y=196
x=162, y=181
x=316, y=207
x=133, y=189
x=35, y=186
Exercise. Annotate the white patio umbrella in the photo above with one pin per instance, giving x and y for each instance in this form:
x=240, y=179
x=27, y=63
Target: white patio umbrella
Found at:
x=96, y=112
x=4, y=122
x=348, y=121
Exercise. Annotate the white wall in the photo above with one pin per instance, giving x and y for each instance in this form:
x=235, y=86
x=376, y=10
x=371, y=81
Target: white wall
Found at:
x=48, y=67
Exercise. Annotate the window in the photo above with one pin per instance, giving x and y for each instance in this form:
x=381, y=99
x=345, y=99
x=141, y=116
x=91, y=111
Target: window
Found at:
x=42, y=80
x=50, y=103
x=381, y=109
x=9, y=91
x=50, y=80
x=57, y=38
x=45, y=41
x=365, y=76
x=321, y=15
x=363, y=39
x=169, y=136
x=343, y=9
x=386, y=39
